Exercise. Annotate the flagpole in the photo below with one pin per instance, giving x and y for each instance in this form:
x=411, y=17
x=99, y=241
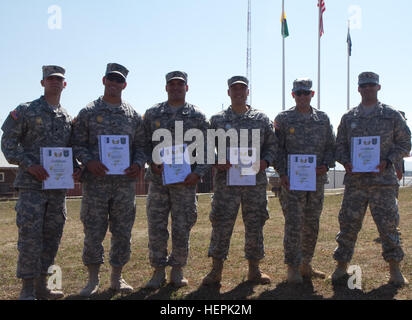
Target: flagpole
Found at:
x=320, y=10
x=283, y=61
x=348, y=82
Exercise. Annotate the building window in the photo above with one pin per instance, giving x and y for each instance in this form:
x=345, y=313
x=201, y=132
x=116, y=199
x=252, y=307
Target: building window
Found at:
x=1, y=176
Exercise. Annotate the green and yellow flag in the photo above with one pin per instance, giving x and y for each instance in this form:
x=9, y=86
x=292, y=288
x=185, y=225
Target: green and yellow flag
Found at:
x=285, y=30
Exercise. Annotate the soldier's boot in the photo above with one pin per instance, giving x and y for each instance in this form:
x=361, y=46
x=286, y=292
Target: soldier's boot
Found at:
x=397, y=277
x=215, y=275
x=307, y=271
x=158, y=279
x=43, y=292
x=176, y=277
x=294, y=275
x=117, y=283
x=27, y=290
x=92, y=286
x=340, y=271
x=255, y=274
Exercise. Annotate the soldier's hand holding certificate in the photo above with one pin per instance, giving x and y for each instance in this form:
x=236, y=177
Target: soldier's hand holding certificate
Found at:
x=58, y=162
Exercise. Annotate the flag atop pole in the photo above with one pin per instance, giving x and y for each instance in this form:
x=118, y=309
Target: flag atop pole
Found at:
x=285, y=33
x=349, y=41
x=321, y=6
x=322, y=9
x=285, y=30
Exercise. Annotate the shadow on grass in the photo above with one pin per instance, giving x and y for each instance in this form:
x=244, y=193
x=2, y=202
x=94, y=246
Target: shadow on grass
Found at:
x=286, y=291
x=103, y=295
x=342, y=292
x=212, y=292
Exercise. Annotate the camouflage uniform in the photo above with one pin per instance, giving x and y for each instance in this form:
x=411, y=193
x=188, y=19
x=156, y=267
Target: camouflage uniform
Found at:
x=41, y=214
x=301, y=134
x=227, y=199
x=178, y=199
x=377, y=190
x=108, y=200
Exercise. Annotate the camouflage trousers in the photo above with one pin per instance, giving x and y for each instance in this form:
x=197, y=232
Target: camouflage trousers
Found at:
x=384, y=209
x=41, y=215
x=181, y=202
x=106, y=205
x=225, y=207
x=302, y=210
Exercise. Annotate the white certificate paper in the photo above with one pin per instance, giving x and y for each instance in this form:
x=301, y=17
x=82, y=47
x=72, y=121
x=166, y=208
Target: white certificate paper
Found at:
x=366, y=153
x=58, y=162
x=302, y=172
x=243, y=170
x=176, y=164
x=114, y=153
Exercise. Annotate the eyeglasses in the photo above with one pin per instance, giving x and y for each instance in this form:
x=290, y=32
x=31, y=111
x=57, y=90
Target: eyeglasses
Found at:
x=365, y=85
x=115, y=78
x=304, y=92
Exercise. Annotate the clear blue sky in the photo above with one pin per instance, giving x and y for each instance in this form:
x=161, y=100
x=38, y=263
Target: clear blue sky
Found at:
x=207, y=39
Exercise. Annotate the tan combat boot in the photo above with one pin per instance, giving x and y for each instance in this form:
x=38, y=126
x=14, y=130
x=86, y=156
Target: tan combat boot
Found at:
x=27, y=290
x=176, y=277
x=43, y=292
x=307, y=271
x=340, y=271
x=215, y=275
x=397, y=278
x=117, y=283
x=294, y=276
x=158, y=279
x=255, y=274
x=92, y=286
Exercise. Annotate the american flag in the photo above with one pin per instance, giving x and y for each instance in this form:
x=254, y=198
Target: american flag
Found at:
x=321, y=3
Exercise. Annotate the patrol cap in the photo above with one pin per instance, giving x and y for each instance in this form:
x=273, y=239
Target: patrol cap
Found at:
x=118, y=69
x=238, y=79
x=180, y=75
x=49, y=71
x=368, y=77
x=302, y=84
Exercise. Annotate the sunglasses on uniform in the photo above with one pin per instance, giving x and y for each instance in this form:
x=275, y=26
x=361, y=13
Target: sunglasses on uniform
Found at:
x=365, y=85
x=115, y=78
x=302, y=92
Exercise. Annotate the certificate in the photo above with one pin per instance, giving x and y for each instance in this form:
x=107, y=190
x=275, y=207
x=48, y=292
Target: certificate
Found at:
x=243, y=170
x=366, y=153
x=58, y=162
x=176, y=164
x=114, y=153
x=302, y=172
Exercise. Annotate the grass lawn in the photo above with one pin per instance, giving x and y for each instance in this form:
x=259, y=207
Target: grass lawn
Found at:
x=137, y=272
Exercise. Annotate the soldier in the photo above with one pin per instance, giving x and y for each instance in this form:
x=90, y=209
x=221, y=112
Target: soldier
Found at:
x=378, y=190
x=108, y=200
x=303, y=130
x=41, y=214
x=179, y=199
x=227, y=199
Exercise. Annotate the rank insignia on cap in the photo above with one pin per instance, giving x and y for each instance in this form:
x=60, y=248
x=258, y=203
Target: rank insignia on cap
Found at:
x=157, y=123
x=292, y=130
x=276, y=125
x=39, y=120
x=14, y=115
x=99, y=119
